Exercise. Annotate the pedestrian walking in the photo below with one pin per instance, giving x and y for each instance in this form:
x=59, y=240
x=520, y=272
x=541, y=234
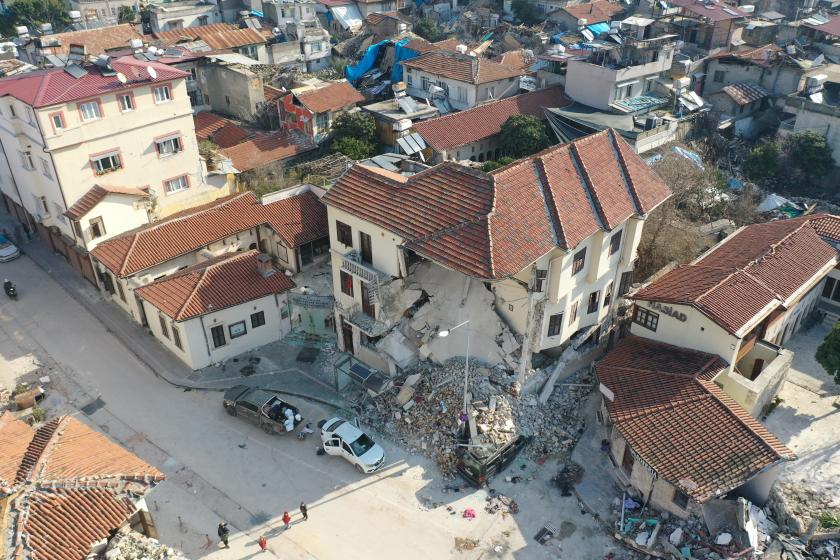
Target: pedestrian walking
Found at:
x=303, y=511
x=263, y=542
x=223, y=534
x=286, y=519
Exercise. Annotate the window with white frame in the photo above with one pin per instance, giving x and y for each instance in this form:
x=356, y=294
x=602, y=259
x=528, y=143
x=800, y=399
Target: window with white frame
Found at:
x=248, y=50
x=57, y=121
x=162, y=94
x=90, y=111
x=169, y=146
x=424, y=83
x=59, y=213
x=317, y=47
x=177, y=184
x=409, y=80
x=106, y=163
x=26, y=160
x=45, y=168
x=126, y=102
x=462, y=93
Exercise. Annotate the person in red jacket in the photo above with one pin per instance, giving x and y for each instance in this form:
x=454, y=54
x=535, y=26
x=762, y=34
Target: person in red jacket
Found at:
x=286, y=519
x=263, y=542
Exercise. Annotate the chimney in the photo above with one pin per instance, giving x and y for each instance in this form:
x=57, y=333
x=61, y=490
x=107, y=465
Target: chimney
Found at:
x=264, y=266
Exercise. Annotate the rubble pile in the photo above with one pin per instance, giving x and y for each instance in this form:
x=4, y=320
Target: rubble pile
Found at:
x=796, y=506
x=423, y=412
x=131, y=545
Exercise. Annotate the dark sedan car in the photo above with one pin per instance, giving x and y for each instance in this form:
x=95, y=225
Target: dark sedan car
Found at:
x=263, y=408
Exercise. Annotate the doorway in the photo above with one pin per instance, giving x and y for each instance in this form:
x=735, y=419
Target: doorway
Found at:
x=347, y=336
x=366, y=248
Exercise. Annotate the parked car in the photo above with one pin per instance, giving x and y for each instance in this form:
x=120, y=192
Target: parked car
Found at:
x=342, y=438
x=479, y=464
x=8, y=251
x=262, y=408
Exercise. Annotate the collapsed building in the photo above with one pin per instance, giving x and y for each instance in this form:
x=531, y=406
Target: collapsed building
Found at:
x=547, y=242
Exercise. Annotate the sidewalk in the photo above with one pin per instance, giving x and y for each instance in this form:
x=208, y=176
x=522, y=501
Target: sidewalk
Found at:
x=291, y=381
x=598, y=489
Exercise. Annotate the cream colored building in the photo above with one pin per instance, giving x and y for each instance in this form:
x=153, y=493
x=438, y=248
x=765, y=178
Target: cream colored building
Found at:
x=234, y=303
x=743, y=300
x=555, y=269
x=122, y=123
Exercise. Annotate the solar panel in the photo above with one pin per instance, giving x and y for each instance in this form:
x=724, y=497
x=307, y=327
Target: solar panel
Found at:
x=76, y=71
x=408, y=105
x=173, y=53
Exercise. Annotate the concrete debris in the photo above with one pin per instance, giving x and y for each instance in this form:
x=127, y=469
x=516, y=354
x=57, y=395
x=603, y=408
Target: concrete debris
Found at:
x=723, y=539
x=463, y=544
x=131, y=545
x=675, y=538
x=428, y=421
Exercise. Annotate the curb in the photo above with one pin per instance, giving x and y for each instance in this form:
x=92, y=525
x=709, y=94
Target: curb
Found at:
x=81, y=300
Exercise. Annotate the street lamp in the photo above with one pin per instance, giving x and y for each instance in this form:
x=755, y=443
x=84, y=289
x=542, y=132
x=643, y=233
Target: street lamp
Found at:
x=443, y=334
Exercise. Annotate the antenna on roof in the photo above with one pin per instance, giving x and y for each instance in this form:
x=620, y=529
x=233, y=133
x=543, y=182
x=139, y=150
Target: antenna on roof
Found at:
x=152, y=72
x=121, y=77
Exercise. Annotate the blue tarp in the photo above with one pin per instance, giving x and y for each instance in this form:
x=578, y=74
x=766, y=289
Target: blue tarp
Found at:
x=353, y=73
x=598, y=28
x=401, y=53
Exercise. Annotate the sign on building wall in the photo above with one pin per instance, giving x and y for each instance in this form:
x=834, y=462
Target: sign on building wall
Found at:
x=668, y=310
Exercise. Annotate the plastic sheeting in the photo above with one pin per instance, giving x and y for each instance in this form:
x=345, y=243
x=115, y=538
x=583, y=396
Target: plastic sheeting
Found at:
x=356, y=71
x=598, y=28
x=401, y=53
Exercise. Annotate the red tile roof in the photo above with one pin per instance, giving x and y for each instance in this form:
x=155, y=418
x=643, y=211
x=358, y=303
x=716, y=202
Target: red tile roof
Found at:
x=711, y=9
x=267, y=148
x=224, y=281
x=484, y=121
x=220, y=130
x=15, y=437
x=493, y=225
x=519, y=59
x=332, y=97
x=50, y=87
x=376, y=18
x=216, y=35
x=831, y=27
x=420, y=45
x=744, y=93
x=754, y=269
x=63, y=524
x=73, y=486
x=96, y=194
x=297, y=220
x=272, y=93
x=97, y=41
x=680, y=423
x=766, y=55
x=595, y=12
x=461, y=67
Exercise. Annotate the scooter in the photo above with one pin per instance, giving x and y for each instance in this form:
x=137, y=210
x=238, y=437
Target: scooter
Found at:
x=10, y=289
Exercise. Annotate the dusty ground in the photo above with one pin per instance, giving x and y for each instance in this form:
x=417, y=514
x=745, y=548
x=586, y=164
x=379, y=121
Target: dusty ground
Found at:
x=808, y=422
x=221, y=468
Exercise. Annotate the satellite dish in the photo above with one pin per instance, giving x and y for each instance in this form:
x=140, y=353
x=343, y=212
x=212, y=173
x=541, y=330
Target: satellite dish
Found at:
x=121, y=77
x=152, y=72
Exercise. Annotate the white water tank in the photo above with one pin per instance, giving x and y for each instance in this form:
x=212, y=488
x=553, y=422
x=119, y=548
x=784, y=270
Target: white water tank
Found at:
x=75, y=15
x=136, y=43
x=582, y=22
x=749, y=8
x=21, y=31
x=461, y=49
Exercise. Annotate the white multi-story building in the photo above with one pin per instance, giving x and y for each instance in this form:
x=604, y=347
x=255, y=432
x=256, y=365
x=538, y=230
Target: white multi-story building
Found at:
x=553, y=236
x=459, y=81
x=91, y=151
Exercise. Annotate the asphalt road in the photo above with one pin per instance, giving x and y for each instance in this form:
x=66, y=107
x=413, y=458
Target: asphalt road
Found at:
x=219, y=467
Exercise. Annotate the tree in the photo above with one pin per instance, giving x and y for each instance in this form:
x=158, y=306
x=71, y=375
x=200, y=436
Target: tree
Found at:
x=428, y=29
x=126, y=15
x=32, y=13
x=762, y=162
x=523, y=135
x=828, y=353
x=526, y=12
x=353, y=148
x=808, y=152
x=358, y=125
x=493, y=165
